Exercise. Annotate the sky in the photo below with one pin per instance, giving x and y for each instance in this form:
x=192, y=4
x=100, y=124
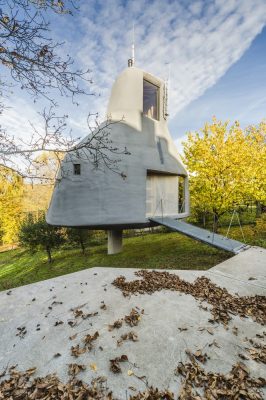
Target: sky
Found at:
x=215, y=51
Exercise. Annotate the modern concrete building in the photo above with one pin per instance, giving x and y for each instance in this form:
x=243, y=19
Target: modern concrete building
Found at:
x=154, y=181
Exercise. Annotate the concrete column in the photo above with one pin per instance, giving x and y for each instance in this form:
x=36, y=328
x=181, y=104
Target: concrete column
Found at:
x=115, y=241
x=187, y=197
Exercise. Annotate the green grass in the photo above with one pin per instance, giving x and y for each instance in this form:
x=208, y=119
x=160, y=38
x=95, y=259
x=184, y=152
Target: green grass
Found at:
x=159, y=250
x=167, y=250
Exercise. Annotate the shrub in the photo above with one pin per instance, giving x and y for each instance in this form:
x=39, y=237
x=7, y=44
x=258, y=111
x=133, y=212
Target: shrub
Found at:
x=40, y=235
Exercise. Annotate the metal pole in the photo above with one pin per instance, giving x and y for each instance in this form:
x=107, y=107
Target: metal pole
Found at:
x=229, y=227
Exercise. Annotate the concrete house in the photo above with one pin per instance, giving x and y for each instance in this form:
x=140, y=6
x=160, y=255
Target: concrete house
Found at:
x=154, y=182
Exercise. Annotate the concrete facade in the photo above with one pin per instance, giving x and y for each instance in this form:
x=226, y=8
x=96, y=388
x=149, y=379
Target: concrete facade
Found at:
x=99, y=197
x=102, y=199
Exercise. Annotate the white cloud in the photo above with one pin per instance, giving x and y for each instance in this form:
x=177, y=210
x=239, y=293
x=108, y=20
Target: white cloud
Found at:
x=201, y=39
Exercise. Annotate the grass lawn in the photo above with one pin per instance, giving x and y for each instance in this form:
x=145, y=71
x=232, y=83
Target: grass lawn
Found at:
x=168, y=250
x=158, y=250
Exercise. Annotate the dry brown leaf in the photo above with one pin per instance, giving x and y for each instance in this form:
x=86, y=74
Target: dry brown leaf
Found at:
x=224, y=304
x=88, y=339
x=115, y=363
x=74, y=369
x=76, y=351
x=115, y=325
x=133, y=318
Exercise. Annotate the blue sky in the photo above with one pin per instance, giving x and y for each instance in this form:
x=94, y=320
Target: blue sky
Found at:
x=216, y=48
x=240, y=94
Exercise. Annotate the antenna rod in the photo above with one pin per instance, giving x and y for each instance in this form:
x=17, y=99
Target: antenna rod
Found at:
x=133, y=47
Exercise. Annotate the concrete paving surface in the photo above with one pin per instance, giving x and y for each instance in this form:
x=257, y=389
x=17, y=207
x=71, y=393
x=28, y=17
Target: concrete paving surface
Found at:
x=161, y=344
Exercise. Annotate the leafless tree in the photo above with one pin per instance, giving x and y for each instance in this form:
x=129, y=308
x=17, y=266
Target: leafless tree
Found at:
x=30, y=55
x=33, y=62
x=55, y=138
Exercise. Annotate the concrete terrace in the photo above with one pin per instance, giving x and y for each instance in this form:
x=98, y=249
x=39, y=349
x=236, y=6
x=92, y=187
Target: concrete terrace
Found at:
x=171, y=323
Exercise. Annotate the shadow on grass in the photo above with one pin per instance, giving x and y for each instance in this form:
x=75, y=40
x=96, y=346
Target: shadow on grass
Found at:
x=154, y=251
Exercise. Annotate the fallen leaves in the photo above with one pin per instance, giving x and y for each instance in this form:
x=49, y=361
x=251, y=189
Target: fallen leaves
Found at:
x=127, y=336
x=58, y=323
x=76, y=351
x=134, y=317
x=198, y=355
x=223, y=303
x=75, y=369
x=79, y=316
x=115, y=363
x=182, y=329
x=237, y=384
x=88, y=339
x=21, y=386
x=257, y=352
x=21, y=332
x=115, y=325
x=153, y=394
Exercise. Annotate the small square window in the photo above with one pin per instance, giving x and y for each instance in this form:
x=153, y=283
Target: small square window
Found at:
x=76, y=169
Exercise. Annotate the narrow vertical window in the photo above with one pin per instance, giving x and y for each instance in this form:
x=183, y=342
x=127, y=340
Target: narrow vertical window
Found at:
x=181, y=194
x=150, y=100
x=76, y=169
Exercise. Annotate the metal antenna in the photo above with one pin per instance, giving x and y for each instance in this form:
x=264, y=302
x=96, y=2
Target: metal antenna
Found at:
x=167, y=93
x=133, y=46
x=168, y=80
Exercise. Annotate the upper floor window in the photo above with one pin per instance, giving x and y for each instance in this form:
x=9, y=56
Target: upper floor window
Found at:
x=76, y=169
x=150, y=100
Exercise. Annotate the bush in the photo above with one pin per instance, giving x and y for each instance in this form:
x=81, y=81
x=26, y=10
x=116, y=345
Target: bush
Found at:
x=79, y=237
x=40, y=235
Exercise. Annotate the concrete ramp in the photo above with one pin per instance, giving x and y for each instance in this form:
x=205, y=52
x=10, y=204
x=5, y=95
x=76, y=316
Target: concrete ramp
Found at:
x=203, y=235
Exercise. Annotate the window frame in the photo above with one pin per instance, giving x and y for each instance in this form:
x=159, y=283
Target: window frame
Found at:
x=157, y=99
x=77, y=169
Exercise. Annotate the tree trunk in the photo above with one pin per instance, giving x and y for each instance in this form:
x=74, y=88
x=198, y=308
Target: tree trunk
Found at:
x=204, y=220
x=49, y=255
x=215, y=223
x=258, y=209
x=82, y=246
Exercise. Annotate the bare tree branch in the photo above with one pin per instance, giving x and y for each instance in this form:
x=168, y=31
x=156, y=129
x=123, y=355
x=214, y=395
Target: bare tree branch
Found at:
x=31, y=56
x=97, y=148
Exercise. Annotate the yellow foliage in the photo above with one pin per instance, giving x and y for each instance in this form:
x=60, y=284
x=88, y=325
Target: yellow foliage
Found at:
x=11, y=194
x=227, y=166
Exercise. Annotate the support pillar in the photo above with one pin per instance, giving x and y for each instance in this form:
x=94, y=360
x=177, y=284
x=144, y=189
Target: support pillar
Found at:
x=115, y=241
x=187, y=197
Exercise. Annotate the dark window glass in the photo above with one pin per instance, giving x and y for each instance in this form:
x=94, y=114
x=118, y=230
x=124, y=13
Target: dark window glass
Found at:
x=76, y=169
x=181, y=194
x=150, y=100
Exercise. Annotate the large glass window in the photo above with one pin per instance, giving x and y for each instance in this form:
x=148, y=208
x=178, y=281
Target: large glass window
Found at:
x=150, y=100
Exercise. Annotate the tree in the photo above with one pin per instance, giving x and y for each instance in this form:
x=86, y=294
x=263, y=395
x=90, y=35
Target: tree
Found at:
x=256, y=157
x=218, y=163
x=30, y=55
x=78, y=236
x=11, y=207
x=40, y=235
x=34, y=63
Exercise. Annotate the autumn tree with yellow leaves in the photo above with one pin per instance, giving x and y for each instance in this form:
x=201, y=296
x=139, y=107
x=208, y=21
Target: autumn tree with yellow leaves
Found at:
x=11, y=205
x=226, y=166
x=256, y=157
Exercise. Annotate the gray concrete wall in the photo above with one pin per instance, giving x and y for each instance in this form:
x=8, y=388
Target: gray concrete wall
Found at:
x=102, y=197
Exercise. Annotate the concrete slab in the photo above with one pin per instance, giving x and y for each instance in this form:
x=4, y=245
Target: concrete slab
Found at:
x=161, y=345
x=203, y=235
